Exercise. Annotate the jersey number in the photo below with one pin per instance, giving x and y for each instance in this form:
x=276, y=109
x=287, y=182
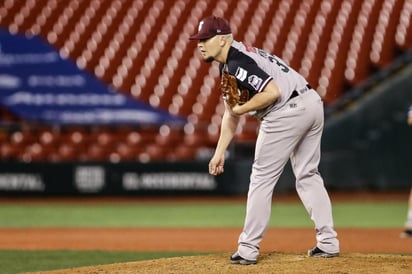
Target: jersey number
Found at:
x=273, y=59
x=282, y=66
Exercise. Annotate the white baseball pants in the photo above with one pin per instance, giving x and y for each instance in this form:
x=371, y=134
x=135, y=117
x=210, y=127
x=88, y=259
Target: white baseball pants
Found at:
x=292, y=132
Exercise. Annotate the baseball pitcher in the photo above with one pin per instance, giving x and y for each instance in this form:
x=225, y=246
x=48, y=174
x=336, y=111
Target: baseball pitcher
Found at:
x=291, y=124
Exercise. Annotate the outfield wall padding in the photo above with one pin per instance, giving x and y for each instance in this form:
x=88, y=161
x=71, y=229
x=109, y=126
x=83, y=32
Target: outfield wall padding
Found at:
x=121, y=178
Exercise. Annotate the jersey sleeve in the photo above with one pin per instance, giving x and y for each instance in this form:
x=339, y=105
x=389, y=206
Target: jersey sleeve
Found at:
x=248, y=74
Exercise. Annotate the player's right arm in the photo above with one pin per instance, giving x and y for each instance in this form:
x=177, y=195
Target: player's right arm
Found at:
x=227, y=132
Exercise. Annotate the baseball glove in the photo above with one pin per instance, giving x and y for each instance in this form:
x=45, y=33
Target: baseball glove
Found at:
x=231, y=93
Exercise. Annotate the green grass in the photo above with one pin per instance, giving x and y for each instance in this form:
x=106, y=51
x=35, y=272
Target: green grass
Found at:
x=354, y=214
x=370, y=214
x=130, y=215
x=17, y=261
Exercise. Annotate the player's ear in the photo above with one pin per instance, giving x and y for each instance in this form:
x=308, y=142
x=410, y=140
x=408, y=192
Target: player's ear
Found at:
x=224, y=39
x=221, y=40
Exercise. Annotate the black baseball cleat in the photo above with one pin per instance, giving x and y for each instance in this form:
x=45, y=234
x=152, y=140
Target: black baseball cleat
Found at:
x=406, y=234
x=237, y=259
x=317, y=252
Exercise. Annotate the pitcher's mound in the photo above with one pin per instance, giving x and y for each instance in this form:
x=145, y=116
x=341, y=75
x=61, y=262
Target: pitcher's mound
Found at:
x=274, y=262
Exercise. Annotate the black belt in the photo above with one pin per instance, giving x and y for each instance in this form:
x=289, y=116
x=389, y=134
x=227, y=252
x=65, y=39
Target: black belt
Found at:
x=296, y=93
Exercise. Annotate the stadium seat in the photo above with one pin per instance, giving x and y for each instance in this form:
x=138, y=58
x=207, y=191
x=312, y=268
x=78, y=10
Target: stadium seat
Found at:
x=127, y=152
x=67, y=152
x=9, y=152
x=183, y=153
x=358, y=63
x=383, y=43
x=48, y=138
x=332, y=77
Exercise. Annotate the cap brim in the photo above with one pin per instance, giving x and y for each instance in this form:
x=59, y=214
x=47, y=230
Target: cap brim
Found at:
x=201, y=36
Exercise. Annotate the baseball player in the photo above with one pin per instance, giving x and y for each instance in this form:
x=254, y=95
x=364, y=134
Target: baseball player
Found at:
x=407, y=233
x=291, y=125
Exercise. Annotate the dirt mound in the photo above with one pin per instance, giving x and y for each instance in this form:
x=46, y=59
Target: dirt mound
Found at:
x=268, y=263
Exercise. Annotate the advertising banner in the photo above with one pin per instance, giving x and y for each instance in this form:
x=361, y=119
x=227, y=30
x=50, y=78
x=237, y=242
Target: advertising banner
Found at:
x=57, y=179
x=38, y=84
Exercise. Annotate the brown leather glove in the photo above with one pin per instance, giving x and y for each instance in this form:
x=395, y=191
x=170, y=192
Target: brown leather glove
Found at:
x=231, y=93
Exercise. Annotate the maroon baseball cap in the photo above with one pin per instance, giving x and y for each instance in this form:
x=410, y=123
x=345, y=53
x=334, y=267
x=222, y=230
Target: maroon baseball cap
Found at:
x=210, y=27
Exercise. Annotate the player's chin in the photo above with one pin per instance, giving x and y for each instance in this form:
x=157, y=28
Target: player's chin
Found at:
x=208, y=59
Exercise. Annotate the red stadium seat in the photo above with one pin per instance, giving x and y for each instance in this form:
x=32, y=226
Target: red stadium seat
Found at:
x=383, y=44
x=9, y=151
x=404, y=29
x=67, y=152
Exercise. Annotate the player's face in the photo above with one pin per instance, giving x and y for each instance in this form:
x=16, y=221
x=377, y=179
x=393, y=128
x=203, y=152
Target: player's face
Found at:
x=209, y=48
